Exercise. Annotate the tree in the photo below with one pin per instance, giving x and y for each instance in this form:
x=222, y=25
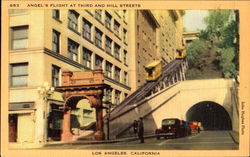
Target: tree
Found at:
x=220, y=37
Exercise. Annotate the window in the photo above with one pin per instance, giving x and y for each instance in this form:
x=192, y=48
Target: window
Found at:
x=19, y=74
x=125, y=57
x=125, y=78
x=73, y=50
x=87, y=29
x=55, y=41
x=108, y=18
x=73, y=20
x=117, y=51
x=124, y=35
x=98, y=61
x=125, y=15
x=108, y=69
x=117, y=97
x=55, y=75
x=56, y=14
x=116, y=28
x=98, y=38
x=108, y=43
x=108, y=94
x=98, y=15
x=117, y=74
x=87, y=57
x=19, y=37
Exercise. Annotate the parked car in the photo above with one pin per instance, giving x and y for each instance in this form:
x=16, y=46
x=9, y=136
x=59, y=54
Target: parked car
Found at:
x=201, y=126
x=171, y=127
x=187, y=128
x=194, y=125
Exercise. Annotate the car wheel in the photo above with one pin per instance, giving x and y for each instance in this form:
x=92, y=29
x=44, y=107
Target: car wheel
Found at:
x=165, y=137
x=157, y=137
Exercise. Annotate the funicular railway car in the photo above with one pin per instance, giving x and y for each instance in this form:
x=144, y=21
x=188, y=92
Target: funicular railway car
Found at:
x=153, y=70
x=181, y=53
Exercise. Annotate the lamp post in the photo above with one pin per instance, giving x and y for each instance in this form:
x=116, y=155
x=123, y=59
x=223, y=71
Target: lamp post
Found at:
x=45, y=91
x=108, y=109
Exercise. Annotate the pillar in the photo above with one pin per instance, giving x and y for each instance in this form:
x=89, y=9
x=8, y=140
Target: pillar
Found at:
x=96, y=102
x=99, y=134
x=66, y=134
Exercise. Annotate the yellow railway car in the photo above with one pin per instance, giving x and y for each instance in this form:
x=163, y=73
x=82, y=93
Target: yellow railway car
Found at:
x=181, y=53
x=153, y=70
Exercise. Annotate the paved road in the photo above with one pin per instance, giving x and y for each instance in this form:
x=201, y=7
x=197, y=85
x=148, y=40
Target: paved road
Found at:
x=206, y=140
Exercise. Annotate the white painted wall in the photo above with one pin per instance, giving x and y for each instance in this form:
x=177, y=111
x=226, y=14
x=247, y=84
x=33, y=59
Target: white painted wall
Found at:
x=184, y=95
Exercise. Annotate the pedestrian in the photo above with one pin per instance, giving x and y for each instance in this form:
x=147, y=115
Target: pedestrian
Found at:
x=141, y=130
x=135, y=125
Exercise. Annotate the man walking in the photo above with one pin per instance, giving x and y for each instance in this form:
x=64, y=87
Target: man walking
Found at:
x=141, y=130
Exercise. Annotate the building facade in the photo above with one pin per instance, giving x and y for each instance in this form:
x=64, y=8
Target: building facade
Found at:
x=43, y=43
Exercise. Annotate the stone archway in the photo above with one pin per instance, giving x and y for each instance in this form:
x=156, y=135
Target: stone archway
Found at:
x=77, y=86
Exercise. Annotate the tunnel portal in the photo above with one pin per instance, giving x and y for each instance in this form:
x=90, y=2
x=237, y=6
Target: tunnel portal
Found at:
x=211, y=115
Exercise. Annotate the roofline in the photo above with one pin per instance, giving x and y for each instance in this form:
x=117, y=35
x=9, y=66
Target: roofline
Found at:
x=152, y=17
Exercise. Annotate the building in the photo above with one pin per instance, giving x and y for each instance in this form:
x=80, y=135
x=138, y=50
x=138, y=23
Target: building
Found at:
x=144, y=45
x=170, y=32
x=43, y=43
x=188, y=37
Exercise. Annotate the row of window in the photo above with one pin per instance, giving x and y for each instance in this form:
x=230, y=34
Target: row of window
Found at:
x=19, y=77
x=20, y=41
x=87, y=61
x=73, y=47
x=19, y=73
x=117, y=98
x=73, y=18
x=97, y=42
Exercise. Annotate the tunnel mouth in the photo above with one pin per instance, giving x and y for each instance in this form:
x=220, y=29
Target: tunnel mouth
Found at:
x=211, y=115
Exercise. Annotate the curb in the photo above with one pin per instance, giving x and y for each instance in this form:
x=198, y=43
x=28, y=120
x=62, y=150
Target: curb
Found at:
x=96, y=142
x=235, y=139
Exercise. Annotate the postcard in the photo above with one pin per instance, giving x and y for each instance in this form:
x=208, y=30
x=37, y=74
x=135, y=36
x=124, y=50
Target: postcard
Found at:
x=125, y=78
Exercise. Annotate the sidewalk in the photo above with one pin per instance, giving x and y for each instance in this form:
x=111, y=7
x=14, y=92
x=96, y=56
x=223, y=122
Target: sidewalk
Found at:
x=82, y=142
x=235, y=136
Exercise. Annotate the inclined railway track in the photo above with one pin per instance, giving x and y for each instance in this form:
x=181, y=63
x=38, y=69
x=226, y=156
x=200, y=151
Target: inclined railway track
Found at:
x=144, y=90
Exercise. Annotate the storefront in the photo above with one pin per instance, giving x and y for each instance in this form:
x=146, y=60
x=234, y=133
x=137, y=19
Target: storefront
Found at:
x=21, y=122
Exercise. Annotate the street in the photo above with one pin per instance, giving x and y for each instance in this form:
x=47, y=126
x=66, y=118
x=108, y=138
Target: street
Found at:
x=206, y=140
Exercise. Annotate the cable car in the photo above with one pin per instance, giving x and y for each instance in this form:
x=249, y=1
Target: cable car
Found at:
x=181, y=53
x=153, y=70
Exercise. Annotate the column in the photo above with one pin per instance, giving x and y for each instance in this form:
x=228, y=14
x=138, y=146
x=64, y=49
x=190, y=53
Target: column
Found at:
x=39, y=122
x=96, y=102
x=66, y=134
x=99, y=134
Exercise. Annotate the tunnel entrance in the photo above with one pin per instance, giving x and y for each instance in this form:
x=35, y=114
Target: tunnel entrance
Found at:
x=211, y=115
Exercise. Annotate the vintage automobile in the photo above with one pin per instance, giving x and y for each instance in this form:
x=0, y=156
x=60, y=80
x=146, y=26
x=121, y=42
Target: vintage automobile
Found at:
x=187, y=128
x=171, y=127
x=194, y=125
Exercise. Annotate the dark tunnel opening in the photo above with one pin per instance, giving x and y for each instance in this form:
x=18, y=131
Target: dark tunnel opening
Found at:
x=211, y=115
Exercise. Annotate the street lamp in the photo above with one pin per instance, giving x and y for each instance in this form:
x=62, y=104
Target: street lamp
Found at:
x=45, y=91
x=109, y=104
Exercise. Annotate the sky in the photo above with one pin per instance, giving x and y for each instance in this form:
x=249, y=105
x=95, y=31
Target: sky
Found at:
x=193, y=20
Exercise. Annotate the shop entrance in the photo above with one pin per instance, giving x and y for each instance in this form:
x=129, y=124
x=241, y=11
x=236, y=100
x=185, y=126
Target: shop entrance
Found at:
x=12, y=127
